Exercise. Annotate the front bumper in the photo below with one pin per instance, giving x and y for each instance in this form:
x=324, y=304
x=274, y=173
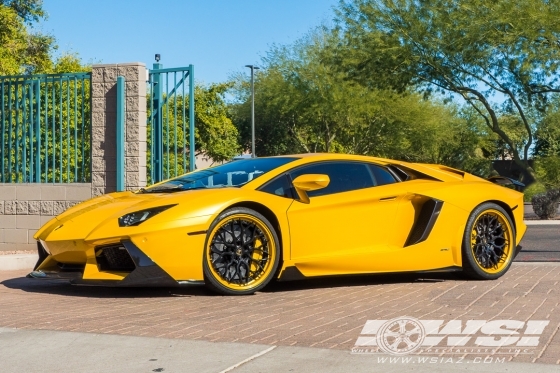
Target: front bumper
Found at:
x=140, y=270
x=174, y=247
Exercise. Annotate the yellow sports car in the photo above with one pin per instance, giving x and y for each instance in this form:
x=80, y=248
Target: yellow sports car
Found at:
x=237, y=226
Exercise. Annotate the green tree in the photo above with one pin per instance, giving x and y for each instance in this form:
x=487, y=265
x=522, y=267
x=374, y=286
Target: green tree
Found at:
x=28, y=10
x=304, y=104
x=547, y=136
x=502, y=57
x=547, y=148
x=217, y=137
x=23, y=51
x=548, y=171
x=67, y=63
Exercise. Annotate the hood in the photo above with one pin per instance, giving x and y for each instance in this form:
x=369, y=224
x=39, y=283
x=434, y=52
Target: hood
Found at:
x=81, y=220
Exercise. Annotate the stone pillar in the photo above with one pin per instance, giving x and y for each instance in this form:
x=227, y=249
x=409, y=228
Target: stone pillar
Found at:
x=104, y=117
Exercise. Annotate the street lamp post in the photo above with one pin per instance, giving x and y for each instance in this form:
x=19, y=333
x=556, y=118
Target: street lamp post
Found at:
x=253, y=68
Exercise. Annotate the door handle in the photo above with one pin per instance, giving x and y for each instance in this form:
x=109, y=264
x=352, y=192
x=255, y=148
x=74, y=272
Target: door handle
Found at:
x=384, y=199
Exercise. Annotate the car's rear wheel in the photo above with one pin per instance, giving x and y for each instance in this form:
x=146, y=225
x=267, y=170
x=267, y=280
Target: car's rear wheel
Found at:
x=488, y=242
x=241, y=253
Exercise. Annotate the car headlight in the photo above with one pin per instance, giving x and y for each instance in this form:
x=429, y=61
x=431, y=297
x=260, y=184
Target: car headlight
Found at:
x=138, y=217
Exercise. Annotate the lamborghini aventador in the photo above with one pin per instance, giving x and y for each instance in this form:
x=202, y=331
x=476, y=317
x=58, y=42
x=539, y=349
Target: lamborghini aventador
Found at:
x=237, y=226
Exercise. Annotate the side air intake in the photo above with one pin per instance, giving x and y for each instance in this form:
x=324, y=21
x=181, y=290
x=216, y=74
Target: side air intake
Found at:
x=114, y=258
x=423, y=225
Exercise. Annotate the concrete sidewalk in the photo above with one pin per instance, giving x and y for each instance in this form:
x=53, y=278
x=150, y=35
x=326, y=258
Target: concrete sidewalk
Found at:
x=39, y=351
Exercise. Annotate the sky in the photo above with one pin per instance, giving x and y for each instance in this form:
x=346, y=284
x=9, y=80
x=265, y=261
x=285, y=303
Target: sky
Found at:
x=219, y=37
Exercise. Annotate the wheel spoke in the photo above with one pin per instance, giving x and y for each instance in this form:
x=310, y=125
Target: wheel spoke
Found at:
x=259, y=266
x=239, y=251
x=218, y=251
x=490, y=241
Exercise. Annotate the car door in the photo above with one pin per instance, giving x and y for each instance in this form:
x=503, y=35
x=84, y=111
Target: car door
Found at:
x=347, y=222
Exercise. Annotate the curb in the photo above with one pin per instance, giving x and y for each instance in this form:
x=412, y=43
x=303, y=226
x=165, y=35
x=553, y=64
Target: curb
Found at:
x=17, y=262
x=541, y=222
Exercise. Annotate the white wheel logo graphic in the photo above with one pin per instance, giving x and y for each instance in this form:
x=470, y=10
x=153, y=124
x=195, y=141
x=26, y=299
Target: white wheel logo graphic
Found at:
x=401, y=336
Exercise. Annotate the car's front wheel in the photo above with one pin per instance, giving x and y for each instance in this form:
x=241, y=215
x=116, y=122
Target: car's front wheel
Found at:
x=241, y=253
x=488, y=242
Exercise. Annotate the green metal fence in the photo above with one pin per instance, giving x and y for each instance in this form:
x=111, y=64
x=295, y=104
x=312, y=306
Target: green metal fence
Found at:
x=45, y=128
x=170, y=122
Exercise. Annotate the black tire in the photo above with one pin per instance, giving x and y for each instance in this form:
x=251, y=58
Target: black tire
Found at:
x=488, y=242
x=233, y=261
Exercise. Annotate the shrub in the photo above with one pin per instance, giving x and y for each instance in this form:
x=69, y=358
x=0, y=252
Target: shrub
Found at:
x=532, y=190
x=545, y=204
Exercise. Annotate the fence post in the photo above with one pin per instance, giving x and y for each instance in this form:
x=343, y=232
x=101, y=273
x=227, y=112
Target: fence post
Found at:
x=192, y=159
x=38, y=131
x=120, y=133
x=157, y=123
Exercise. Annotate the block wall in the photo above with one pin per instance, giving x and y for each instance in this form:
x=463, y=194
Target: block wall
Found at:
x=24, y=208
x=103, y=121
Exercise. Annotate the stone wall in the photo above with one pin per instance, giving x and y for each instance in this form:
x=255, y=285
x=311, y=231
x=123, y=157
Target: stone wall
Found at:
x=24, y=208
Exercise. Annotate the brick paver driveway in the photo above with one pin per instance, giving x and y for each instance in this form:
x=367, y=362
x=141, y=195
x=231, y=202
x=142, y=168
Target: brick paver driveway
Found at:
x=327, y=313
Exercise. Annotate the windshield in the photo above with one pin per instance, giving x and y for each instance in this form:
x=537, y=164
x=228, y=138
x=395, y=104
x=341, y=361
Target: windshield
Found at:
x=232, y=174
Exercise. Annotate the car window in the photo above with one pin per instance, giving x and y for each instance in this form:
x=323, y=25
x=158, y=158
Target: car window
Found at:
x=232, y=174
x=381, y=175
x=344, y=176
x=280, y=186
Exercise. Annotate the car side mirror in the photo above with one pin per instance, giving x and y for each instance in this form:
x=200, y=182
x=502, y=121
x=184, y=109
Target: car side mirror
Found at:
x=309, y=182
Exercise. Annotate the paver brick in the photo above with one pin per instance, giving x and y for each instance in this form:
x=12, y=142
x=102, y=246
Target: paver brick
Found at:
x=327, y=313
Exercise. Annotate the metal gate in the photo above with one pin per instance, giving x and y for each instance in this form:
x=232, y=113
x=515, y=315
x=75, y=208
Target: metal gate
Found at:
x=169, y=103
x=45, y=128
